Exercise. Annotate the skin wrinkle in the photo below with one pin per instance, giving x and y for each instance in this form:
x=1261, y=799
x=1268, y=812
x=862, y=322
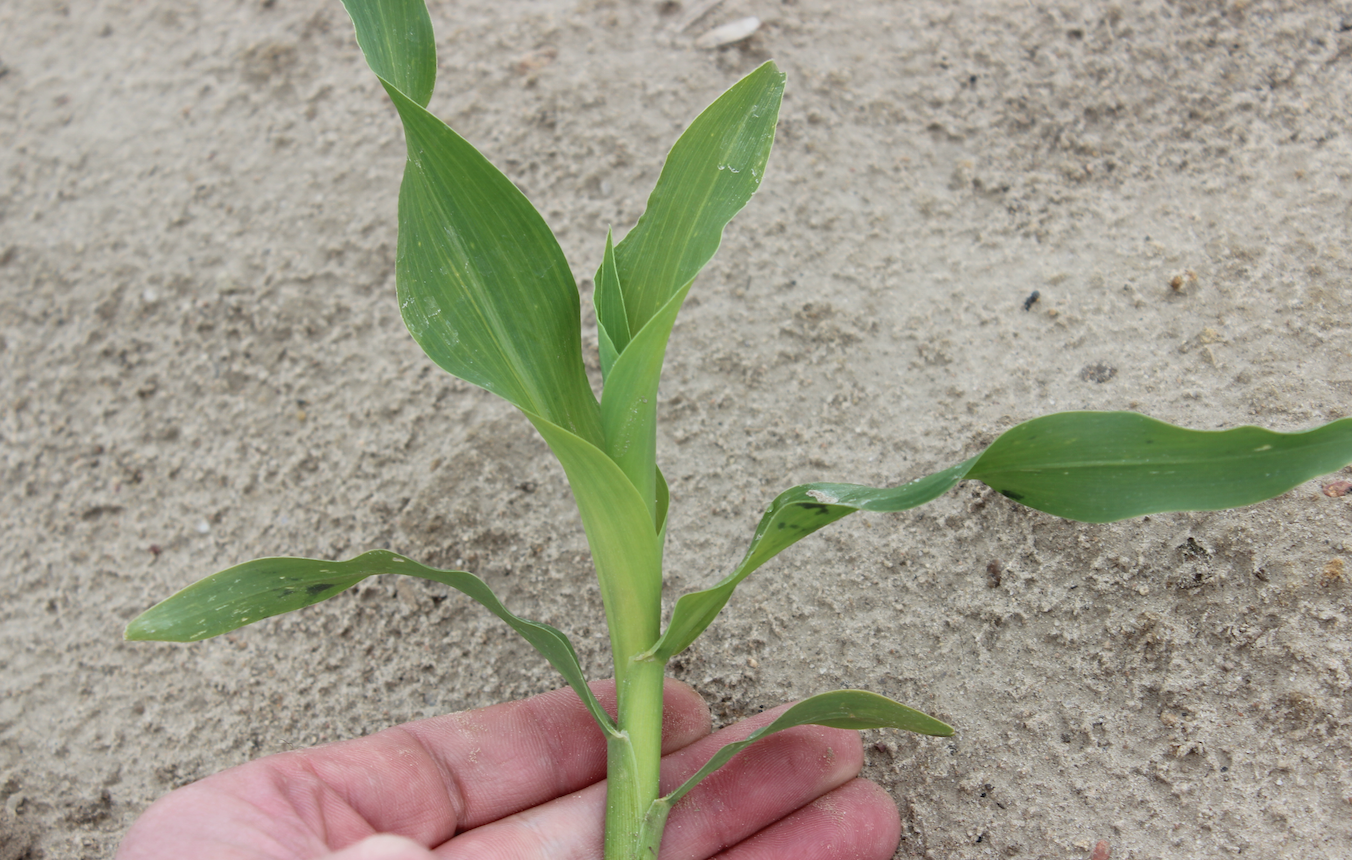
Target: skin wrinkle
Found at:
x=530, y=720
x=450, y=782
x=556, y=749
x=828, y=831
x=410, y=757
x=795, y=757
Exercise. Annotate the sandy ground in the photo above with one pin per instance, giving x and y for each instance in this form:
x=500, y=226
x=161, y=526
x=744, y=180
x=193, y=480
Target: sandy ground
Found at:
x=201, y=362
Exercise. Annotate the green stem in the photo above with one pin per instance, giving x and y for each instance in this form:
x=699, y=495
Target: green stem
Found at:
x=634, y=762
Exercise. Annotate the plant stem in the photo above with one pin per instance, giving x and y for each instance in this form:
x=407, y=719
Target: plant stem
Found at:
x=634, y=761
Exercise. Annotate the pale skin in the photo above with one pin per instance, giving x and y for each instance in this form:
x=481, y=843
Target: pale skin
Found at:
x=525, y=781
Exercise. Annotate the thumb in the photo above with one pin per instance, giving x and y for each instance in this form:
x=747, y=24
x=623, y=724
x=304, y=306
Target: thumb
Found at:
x=383, y=846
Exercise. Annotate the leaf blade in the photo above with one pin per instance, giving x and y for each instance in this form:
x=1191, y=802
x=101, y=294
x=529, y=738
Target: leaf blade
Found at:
x=266, y=587
x=709, y=175
x=608, y=299
x=483, y=286
x=629, y=401
x=792, y=516
x=1092, y=467
x=1102, y=467
x=840, y=709
x=396, y=38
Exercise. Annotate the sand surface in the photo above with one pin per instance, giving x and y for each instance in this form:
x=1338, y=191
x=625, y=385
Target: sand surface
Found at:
x=202, y=362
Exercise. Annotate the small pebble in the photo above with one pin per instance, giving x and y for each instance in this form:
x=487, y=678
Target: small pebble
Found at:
x=1337, y=488
x=734, y=31
x=1102, y=851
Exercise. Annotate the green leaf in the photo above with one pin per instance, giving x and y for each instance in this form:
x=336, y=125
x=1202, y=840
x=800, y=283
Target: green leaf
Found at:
x=709, y=175
x=1094, y=467
x=1100, y=467
x=663, y=507
x=792, y=516
x=625, y=544
x=265, y=587
x=608, y=299
x=841, y=709
x=483, y=286
x=629, y=402
x=396, y=38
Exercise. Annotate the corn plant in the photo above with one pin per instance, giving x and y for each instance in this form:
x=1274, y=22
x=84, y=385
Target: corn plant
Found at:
x=486, y=292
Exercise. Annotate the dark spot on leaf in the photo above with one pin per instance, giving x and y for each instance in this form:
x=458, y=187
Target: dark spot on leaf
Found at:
x=286, y=592
x=816, y=508
x=781, y=525
x=1010, y=494
x=318, y=588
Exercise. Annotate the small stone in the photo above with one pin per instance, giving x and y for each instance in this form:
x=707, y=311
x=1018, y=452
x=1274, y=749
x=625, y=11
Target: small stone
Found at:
x=1337, y=489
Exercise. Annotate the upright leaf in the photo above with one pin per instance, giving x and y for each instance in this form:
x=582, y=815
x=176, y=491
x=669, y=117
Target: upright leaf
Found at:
x=266, y=587
x=483, y=286
x=629, y=401
x=709, y=175
x=396, y=38
x=626, y=547
x=1095, y=467
x=608, y=299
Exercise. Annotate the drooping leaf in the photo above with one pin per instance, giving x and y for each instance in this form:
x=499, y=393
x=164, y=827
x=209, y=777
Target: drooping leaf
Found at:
x=709, y=175
x=483, y=286
x=841, y=709
x=266, y=587
x=792, y=516
x=1094, y=467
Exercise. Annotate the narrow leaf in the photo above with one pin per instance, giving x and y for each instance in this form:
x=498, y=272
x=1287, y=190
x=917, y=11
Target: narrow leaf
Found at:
x=841, y=709
x=1093, y=467
x=792, y=516
x=629, y=401
x=265, y=587
x=709, y=175
x=608, y=299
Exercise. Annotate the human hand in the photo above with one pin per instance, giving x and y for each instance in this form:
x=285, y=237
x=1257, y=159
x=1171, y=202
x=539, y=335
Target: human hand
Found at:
x=524, y=780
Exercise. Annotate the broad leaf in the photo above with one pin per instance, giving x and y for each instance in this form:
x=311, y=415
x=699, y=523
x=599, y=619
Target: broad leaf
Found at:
x=709, y=175
x=265, y=587
x=483, y=286
x=841, y=709
x=1100, y=467
x=1094, y=467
